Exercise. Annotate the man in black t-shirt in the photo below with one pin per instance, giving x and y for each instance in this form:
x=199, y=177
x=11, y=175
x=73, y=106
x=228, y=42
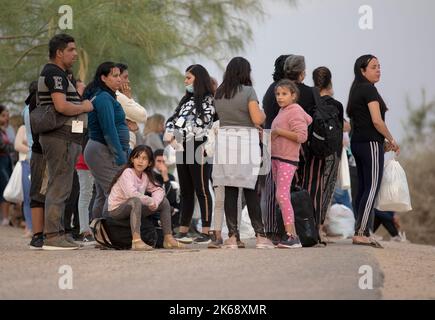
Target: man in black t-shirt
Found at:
x=61, y=147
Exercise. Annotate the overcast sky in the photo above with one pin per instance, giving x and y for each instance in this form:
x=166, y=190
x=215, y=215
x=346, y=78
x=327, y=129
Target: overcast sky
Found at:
x=327, y=33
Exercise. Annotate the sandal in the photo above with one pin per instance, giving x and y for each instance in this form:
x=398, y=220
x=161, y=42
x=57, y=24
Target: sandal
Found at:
x=139, y=245
x=168, y=245
x=371, y=243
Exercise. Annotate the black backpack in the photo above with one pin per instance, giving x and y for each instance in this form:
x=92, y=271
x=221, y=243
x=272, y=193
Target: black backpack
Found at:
x=305, y=223
x=116, y=234
x=325, y=133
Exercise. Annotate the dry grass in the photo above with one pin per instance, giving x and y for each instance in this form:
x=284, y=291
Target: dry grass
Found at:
x=419, y=224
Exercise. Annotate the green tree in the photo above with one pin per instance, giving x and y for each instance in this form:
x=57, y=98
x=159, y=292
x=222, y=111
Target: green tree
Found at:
x=152, y=36
x=420, y=126
x=417, y=156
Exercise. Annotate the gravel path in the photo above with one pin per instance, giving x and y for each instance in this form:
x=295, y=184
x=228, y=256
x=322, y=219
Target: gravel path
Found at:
x=400, y=271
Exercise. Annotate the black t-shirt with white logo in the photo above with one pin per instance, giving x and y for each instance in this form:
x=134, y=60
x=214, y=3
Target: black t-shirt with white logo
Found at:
x=54, y=79
x=363, y=129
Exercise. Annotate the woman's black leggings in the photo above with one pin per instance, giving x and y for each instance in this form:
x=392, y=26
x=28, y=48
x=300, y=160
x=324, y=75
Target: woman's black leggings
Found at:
x=369, y=157
x=254, y=210
x=194, y=176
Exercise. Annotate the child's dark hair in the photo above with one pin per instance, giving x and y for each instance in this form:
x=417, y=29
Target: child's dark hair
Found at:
x=322, y=78
x=286, y=83
x=134, y=154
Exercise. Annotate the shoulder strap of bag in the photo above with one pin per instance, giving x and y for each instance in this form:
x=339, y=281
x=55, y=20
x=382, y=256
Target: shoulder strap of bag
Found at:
x=316, y=95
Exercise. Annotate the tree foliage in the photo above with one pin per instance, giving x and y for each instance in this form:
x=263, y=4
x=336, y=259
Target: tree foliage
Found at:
x=151, y=36
x=420, y=126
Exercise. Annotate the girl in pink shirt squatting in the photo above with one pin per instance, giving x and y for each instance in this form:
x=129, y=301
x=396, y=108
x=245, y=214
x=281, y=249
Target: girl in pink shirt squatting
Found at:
x=127, y=198
x=289, y=131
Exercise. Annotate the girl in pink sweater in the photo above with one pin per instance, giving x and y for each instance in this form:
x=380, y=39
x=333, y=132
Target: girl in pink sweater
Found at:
x=289, y=130
x=127, y=198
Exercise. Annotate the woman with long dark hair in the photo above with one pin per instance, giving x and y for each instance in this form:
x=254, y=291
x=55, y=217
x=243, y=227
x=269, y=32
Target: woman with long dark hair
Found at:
x=239, y=115
x=127, y=198
x=106, y=150
x=322, y=79
x=189, y=124
x=366, y=110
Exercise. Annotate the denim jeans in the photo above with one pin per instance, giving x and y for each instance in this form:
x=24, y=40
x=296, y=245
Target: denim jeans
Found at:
x=342, y=196
x=86, y=181
x=101, y=163
x=61, y=156
x=25, y=180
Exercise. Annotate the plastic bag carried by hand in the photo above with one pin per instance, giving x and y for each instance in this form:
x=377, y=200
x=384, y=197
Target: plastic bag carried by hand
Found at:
x=14, y=189
x=343, y=178
x=394, y=193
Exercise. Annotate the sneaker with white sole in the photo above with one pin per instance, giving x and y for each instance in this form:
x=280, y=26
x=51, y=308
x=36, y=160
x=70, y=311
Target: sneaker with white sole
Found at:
x=292, y=242
x=59, y=243
x=37, y=242
x=183, y=237
x=204, y=238
x=85, y=240
x=401, y=237
x=230, y=243
x=263, y=243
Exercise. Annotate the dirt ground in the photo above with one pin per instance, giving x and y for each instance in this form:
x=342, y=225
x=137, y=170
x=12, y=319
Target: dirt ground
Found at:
x=400, y=271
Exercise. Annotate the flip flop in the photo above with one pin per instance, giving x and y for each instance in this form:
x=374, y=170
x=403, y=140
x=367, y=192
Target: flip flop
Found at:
x=168, y=245
x=373, y=243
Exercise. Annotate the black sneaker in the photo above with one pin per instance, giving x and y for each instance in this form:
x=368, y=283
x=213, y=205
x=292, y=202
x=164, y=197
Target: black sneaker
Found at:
x=37, y=242
x=203, y=238
x=85, y=240
x=215, y=243
x=291, y=242
x=183, y=237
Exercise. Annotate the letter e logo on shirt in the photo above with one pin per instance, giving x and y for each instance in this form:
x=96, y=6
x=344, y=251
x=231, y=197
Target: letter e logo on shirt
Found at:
x=58, y=83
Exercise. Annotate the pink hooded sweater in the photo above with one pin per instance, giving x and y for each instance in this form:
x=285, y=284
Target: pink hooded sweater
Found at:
x=292, y=118
x=129, y=185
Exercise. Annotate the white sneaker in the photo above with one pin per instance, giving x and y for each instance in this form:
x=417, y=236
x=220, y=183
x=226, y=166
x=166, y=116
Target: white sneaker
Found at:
x=401, y=237
x=376, y=237
x=5, y=222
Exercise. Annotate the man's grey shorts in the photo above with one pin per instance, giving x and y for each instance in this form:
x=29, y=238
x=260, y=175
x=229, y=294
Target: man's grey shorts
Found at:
x=38, y=180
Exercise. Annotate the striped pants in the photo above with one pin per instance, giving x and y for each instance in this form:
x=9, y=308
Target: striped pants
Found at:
x=318, y=176
x=369, y=157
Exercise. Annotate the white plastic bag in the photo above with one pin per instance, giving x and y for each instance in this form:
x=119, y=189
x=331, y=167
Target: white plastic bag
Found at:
x=394, y=193
x=340, y=221
x=211, y=139
x=343, y=172
x=245, y=228
x=169, y=154
x=14, y=189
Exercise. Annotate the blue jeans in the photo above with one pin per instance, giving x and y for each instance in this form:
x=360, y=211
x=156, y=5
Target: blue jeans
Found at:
x=25, y=179
x=342, y=197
